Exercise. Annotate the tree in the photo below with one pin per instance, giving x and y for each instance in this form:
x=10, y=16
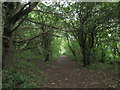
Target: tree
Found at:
x=13, y=12
x=90, y=23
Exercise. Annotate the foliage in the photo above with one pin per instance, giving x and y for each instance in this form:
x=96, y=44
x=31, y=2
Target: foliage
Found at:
x=101, y=66
x=28, y=54
x=23, y=75
x=87, y=32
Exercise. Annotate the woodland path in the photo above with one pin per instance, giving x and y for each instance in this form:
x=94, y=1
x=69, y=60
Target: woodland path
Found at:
x=65, y=73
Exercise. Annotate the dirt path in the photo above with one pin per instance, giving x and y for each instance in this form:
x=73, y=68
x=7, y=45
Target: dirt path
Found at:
x=65, y=73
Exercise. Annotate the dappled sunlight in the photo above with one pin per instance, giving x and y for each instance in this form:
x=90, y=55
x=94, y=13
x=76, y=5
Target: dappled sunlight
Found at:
x=62, y=48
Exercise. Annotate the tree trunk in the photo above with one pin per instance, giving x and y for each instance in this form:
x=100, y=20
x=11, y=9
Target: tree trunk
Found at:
x=10, y=17
x=102, y=56
x=47, y=57
x=88, y=56
x=88, y=59
x=73, y=52
x=7, y=47
x=84, y=57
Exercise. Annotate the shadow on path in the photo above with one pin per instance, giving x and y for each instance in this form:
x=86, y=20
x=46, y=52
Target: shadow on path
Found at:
x=65, y=73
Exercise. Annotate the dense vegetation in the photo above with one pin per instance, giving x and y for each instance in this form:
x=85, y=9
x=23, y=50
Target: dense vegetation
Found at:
x=88, y=33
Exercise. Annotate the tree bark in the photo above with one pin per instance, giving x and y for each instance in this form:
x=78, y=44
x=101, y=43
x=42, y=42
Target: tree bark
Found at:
x=7, y=47
x=84, y=57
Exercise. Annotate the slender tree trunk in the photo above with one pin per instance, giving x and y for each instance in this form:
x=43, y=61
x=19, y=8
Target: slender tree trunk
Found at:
x=47, y=57
x=84, y=57
x=102, y=56
x=88, y=56
x=73, y=52
x=47, y=51
x=88, y=59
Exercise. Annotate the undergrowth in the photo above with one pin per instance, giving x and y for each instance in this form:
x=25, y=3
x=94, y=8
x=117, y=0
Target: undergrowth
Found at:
x=23, y=75
x=101, y=66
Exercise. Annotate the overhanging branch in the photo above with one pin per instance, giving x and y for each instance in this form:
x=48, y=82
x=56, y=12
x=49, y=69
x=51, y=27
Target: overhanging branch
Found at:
x=19, y=23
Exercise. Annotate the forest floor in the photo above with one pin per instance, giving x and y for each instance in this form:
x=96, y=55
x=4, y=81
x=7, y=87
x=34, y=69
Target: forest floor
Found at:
x=65, y=73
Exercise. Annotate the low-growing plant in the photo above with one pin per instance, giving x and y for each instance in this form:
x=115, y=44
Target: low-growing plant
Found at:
x=101, y=66
x=23, y=75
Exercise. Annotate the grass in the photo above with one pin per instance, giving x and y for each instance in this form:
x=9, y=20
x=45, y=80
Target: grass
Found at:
x=100, y=66
x=23, y=75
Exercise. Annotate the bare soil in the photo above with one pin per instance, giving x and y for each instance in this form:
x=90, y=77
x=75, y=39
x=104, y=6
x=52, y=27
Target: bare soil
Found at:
x=65, y=73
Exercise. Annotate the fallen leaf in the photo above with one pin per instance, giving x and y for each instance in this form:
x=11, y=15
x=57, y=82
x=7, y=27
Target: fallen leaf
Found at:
x=53, y=83
x=66, y=78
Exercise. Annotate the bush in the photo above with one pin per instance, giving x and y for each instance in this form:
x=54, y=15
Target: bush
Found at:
x=24, y=75
x=101, y=66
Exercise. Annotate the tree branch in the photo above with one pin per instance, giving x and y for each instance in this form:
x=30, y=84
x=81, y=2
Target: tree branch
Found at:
x=19, y=23
x=48, y=12
x=60, y=29
x=22, y=13
x=29, y=38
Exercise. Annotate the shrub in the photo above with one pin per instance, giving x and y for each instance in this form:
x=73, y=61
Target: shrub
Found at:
x=23, y=75
x=101, y=66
